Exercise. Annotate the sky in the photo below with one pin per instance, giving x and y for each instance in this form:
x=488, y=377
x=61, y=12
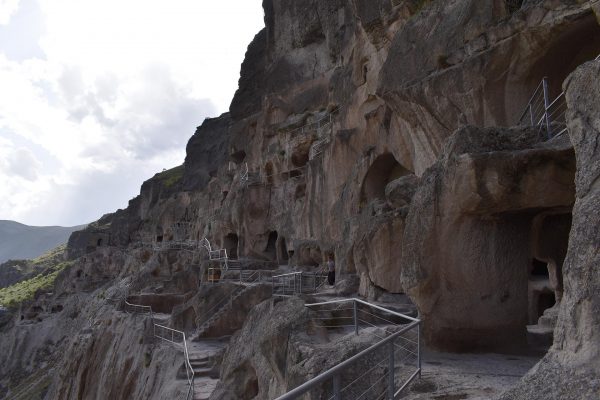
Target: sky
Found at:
x=96, y=96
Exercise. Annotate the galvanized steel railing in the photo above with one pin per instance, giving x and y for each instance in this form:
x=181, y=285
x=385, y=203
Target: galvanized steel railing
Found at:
x=297, y=283
x=169, y=335
x=545, y=113
x=217, y=274
x=318, y=124
x=178, y=338
x=536, y=112
x=383, y=370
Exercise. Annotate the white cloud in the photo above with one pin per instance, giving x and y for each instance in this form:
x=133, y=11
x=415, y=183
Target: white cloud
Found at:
x=23, y=163
x=7, y=9
x=115, y=93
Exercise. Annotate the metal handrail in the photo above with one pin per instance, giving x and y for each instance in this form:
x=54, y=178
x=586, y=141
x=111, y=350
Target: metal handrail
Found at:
x=317, y=123
x=282, y=282
x=335, y=372
x=188, y=366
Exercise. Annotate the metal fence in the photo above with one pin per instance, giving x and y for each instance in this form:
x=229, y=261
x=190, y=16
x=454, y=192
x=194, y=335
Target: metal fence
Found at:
x=297, y=283
x=169, y=335
x=543, y=112
x=236, y=275
x=381, y=371
x=178, y=338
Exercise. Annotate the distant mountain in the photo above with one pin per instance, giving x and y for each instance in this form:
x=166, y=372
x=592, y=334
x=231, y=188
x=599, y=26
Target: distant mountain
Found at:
x=19, y=241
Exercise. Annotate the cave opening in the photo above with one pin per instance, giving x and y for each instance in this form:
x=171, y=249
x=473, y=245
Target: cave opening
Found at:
x=231, y=242
x=539, y=268
x=271, y=249
x=546, y=300
x=301, y=155
x=238, y=157
x=384, y=170
x=99, y=242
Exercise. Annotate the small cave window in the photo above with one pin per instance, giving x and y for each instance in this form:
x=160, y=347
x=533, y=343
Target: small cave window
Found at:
x=99, y=242
x=238, y=157
x=159, y=238
x=78, y=274
x=539, y=268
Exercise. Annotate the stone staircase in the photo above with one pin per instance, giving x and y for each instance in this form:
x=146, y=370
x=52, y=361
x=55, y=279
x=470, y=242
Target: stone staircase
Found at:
x=541, y=335
x=204, y=361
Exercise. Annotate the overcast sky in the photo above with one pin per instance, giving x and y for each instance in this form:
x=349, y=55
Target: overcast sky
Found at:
x=96, y=96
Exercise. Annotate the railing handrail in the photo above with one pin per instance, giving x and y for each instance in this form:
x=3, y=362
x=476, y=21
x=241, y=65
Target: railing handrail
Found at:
x=289, y=274
x=387, y=310
x=337, y=369
x=535, y=92
x=188, y=366
x=329, y=116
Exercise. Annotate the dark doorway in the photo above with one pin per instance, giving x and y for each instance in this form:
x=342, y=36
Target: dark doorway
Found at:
x=546, y=300
x=271, y=249
x=231, y=242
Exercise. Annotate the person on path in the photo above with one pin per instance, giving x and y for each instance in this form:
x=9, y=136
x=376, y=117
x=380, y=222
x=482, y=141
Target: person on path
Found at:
x=331, y=271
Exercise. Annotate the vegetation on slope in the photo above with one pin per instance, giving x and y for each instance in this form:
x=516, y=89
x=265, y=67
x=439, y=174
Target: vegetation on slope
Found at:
x=171, y=176
x=46, y=269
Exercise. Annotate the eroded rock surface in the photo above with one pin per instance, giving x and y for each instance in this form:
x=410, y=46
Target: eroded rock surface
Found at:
x=368, y=132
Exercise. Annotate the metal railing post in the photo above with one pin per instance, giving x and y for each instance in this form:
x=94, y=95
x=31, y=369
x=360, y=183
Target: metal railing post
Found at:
x=546, y=105
x=337, y=386
x=355, y=318
x=391, y=367
x=419, y=348
x=531, y=115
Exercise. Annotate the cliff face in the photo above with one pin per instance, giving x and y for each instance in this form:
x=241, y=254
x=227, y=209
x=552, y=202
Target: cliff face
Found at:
x=374, y=131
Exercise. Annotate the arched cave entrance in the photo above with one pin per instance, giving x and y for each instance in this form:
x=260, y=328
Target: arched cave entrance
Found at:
x=231, y=242
x=99, y=242
x=384, y=169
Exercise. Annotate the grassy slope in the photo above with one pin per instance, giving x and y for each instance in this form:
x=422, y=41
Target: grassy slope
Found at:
x=49, y=266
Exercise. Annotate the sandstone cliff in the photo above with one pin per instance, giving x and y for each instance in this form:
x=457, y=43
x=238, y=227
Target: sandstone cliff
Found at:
x=381, y=133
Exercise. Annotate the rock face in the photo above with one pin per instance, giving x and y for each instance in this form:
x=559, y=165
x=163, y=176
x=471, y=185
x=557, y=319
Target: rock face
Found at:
x=372, y=132
x=469, y=240
x=573, y=360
